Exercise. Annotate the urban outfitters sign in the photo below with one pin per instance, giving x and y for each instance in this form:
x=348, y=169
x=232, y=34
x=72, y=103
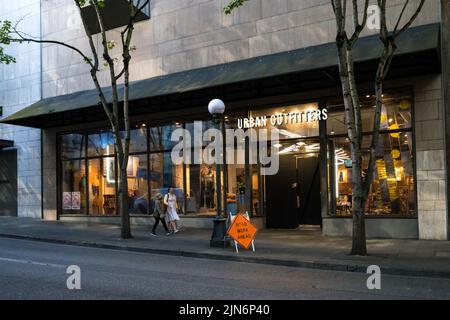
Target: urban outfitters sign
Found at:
x=281, y=119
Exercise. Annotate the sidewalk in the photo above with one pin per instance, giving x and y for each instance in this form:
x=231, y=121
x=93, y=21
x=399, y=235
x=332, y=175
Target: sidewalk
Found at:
x=308, y=249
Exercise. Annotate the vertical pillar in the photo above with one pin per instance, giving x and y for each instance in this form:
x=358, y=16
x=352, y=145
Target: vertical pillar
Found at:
x=50, y=186
x=323, y=164
x=218, y=181
x=445, y=58
x=225, y=171
x=332, y=176
x=248, y=179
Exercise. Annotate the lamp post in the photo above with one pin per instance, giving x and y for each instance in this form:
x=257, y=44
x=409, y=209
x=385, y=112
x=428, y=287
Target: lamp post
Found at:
x=218, y=239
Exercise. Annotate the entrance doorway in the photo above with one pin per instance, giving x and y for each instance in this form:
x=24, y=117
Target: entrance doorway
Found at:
x=293, y=195
x=8, y=183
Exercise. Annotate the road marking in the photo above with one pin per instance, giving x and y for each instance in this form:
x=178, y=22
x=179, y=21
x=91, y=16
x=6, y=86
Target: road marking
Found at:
x=37, y=263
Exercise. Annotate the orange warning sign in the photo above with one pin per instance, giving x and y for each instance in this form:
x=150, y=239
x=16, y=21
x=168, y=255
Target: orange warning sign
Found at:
x=242, y=231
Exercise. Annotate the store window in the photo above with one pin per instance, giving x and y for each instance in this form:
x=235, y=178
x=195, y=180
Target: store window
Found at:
x=73, y=146
x=96, y=172
x=164, y=174
x=396, y=114
x=392, y=191
x=74, y=186
x=160, y=137
x=101, y=143
x=138, y=184
x=201, y=197
x=102, y=186
x=138, y=139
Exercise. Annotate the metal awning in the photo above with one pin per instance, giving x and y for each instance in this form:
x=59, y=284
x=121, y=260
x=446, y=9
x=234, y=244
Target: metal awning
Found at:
x=6, y=144
x=414, y=41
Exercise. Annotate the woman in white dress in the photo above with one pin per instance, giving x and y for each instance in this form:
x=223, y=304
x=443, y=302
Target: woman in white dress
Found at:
x=170, y=200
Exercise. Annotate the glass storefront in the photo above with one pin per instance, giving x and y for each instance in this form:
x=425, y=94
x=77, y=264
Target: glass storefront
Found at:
x=392, y=192
x=88, y=175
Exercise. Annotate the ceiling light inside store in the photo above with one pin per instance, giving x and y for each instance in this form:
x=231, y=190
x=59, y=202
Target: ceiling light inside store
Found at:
x=290, y=134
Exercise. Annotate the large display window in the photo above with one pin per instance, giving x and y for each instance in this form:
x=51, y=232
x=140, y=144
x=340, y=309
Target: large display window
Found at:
x=392, y=192
x=313, y=143
x=89, y=172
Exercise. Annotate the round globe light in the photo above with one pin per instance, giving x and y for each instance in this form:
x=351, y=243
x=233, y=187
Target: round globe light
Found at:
x=216, y=107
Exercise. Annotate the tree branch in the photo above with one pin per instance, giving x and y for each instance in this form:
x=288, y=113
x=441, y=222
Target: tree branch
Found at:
x=401, y=15
x=411, y=20
x=357, y=26
x=94, y=69
x=22, y=38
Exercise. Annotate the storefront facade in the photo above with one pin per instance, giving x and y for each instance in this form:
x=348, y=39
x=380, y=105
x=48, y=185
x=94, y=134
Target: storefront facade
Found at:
x=312, y=188
x=315, y=167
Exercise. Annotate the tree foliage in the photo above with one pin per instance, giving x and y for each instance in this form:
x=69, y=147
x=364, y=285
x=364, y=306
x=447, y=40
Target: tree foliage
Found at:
x=233, y=5
x=5, y=29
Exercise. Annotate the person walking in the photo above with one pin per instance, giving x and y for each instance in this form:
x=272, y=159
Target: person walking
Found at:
x=170, y=200
x=159, y=214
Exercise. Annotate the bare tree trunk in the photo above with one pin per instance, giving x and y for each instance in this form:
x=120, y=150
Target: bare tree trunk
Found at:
x=359, y=246
x=352, y=114
x=125, y=231
x=354, y=131
x=124, y=180
x=121, y=152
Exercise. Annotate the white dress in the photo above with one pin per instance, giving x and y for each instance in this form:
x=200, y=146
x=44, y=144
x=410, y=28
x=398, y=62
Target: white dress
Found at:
x=172, y=214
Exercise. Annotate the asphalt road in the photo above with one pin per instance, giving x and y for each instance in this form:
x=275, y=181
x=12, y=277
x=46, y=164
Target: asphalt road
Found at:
x=37, y=270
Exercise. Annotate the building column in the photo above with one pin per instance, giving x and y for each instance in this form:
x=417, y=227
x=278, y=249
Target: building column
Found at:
x=49, y=175
x=323, y=165
x=445, y=52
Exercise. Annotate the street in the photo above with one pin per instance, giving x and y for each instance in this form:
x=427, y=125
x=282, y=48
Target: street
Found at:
x=37, y=270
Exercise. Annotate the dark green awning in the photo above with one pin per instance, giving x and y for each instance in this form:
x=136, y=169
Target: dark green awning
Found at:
x=415, y=40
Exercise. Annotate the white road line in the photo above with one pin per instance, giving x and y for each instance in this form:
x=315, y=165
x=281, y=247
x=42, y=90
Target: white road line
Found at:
x=37, y=263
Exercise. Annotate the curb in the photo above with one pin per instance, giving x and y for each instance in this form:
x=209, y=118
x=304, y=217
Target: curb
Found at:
x=358, y=268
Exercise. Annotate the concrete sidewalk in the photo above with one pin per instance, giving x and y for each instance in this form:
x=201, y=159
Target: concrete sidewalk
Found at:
x=308, y=249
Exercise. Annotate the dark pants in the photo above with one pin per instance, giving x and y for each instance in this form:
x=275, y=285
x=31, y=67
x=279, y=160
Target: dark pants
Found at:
x=163, y=221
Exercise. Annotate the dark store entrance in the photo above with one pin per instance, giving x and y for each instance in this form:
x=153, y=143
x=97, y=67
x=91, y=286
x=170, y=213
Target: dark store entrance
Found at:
x=8, y=183
x=293, y=195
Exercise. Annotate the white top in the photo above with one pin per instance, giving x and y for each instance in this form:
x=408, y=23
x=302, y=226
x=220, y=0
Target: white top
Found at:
x=170, y=200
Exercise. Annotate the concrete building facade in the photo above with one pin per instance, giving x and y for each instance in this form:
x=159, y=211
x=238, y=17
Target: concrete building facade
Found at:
x=183, y=36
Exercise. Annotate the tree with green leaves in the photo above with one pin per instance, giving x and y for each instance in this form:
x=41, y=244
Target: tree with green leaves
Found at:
x=117, y=111
x=346, y=38
x=5, y=27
